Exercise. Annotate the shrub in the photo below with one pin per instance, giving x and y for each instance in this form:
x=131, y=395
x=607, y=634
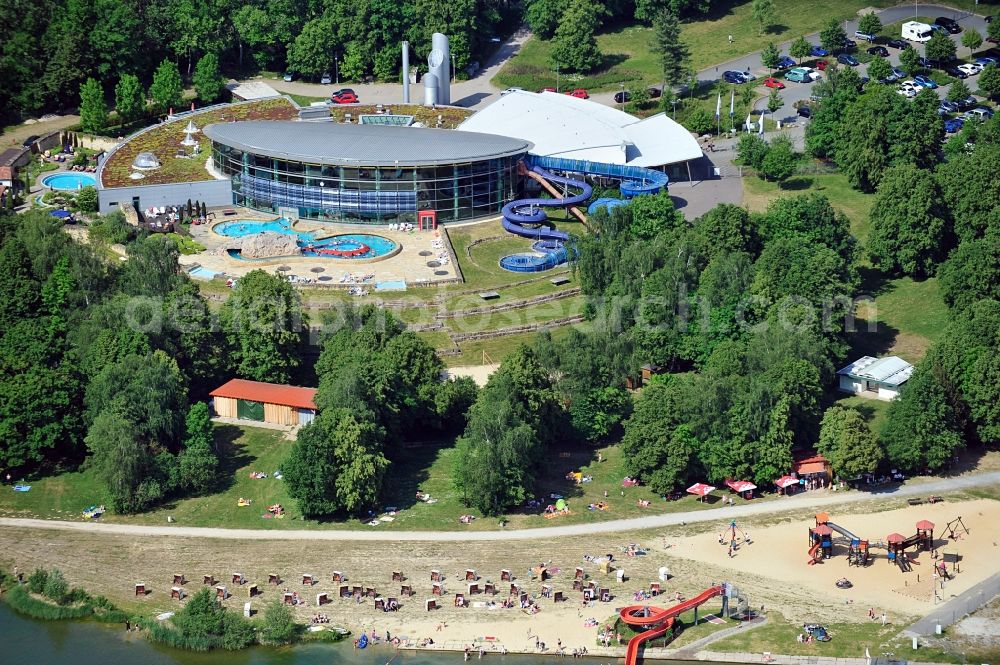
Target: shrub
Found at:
x=56, y=587
x=37, y=580
x=86, y=199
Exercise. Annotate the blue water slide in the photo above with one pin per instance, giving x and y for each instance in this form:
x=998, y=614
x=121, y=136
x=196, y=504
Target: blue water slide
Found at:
x=635, y=180
x=529, y=211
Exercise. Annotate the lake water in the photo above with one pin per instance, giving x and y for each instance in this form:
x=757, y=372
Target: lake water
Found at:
x=31, y=642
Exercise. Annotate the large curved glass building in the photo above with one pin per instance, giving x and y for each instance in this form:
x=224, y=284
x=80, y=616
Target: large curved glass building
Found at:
x=367, y=174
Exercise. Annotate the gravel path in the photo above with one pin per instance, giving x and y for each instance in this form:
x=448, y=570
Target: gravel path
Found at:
x=810, y=500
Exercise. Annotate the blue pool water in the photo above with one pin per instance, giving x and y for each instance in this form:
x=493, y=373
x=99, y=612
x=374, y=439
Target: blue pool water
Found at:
x=203, y=273
x=69, y=181
x=348, y=245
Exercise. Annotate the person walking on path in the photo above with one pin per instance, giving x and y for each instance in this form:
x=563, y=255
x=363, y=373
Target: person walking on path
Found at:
x=883, y=618
x=730, y=39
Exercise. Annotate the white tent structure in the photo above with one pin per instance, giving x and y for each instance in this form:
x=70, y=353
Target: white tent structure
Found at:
x=571, y=128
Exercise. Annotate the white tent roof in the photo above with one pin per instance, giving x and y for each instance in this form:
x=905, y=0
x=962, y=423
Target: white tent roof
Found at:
x=564, y=126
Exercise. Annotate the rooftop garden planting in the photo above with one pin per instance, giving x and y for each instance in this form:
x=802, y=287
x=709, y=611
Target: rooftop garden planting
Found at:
x=164, y=141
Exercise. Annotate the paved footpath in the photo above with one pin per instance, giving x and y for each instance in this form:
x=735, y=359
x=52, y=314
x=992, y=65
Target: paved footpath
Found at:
x=806, y=500
x=957, y=608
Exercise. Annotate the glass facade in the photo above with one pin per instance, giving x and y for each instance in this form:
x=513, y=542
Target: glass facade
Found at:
x=369, y=194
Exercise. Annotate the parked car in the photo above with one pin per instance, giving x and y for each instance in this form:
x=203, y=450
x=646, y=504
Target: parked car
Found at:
x=848, y=43
x=290, y=76
x=925, y=81
x=948, y=24
x=907, y=92
x=731, y=76
x=805, y=112
x=898, y=43
x=342, y=91
x=31, y=139
x=970, y=68
x=982, y=112
x=325, y=79
x=510, y=90
x=952, y=70
x=772, y=82
x=654, y=91
x=952, y=125
x=988, y=18
x=879, y=50
x=821, y=65
x=622, y=97
x=898, y=73
x=985, y=60
x=866, y=36
x=801, y=75
x=967, y=103
x=784, y=62
x=547, y=90
x=818, y=52
x=947, y=107
x=345, y=97
x=579, y=93
x=848, y=59
x=749, y=76
x=939, y=28
x=929, y=64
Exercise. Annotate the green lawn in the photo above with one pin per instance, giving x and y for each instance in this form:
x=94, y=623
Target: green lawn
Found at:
x=424, y=467
x=778, y=636
x=757, y=194
x=305, y=100
x=910, y=315
x=630, y=59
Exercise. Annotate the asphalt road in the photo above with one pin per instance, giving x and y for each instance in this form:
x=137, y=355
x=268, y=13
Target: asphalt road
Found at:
x=805, y=500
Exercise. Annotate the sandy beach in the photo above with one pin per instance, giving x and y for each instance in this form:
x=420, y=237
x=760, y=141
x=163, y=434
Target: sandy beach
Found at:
x=772, y=572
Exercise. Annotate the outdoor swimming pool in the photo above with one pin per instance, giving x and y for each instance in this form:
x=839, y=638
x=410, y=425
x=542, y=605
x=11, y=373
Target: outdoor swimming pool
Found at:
x=344, y=246
x=69, y=181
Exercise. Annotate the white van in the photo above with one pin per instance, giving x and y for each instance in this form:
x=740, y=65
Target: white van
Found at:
x=915, y=31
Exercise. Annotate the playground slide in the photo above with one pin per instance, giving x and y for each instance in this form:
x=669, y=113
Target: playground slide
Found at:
x=528, y=211
x=812, y=553
x=664, y=617
x=842, y=531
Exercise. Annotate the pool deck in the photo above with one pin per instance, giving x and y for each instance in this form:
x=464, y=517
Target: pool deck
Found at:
x=409, y=264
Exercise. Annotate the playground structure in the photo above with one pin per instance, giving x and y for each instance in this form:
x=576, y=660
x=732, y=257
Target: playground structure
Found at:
x=525, y=217
x=657, y=621
x=922, y=540
x=821, y=542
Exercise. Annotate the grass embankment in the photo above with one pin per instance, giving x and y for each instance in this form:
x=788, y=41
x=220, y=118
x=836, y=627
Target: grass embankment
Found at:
x=778, y=635
x=629, y=57
x=427, y=468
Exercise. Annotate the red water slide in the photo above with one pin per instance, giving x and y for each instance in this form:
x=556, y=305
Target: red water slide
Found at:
x=660, y=620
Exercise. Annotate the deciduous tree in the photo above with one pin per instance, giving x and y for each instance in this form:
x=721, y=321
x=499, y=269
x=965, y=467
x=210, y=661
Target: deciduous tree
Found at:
x=849, y=443
x=167, y=87
x=208, y=81
x=971, y=39
x=763, y=13
x=770, y=56
x=908, y=228
x=263, y=321
x=780, y=161
x=870, y=24
x=941, y=47
x=130, y=100
x=800, y=48
x=832, y=36
x=574, y=48
x=93, y=110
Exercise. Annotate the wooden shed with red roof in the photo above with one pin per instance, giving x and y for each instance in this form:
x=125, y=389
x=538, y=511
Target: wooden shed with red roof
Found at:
x=265, y=402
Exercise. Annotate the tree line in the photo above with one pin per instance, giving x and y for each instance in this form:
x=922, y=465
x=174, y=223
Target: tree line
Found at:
x=111, y=364
x=50, y=48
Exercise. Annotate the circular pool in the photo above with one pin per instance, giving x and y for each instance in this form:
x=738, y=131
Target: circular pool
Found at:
x=69, y=181
x=344, y=246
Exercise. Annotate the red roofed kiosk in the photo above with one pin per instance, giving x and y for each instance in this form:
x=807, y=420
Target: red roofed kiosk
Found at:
x=265, y=402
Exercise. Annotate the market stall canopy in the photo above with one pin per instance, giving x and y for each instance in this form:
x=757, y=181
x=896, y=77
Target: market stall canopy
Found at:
x=786, y=481
x=700, y=489
x=740, y=485
x=895, y=538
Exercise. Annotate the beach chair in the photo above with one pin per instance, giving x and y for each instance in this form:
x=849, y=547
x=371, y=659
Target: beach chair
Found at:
x=179, y=579
x=406, y=590
x=459, y=600
x=322, y=599
x=140, y=589
x=238, y=578
x=208, y=580
x=430, y=604
x=380, y=604
x=490, y=588
x=370, y=592
x=307, y=579
x=397, y=576
x=274, y=578
x=577, y=585
x=176, y=592
x=338, y=576
x=654, y=588
x=470, y=575
x=558, y=597
x=221, y=592
x=345, y=591
x=435, y=576
x=505, y=576
x=253, y=590
x=437, y=589
x=288, y=598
